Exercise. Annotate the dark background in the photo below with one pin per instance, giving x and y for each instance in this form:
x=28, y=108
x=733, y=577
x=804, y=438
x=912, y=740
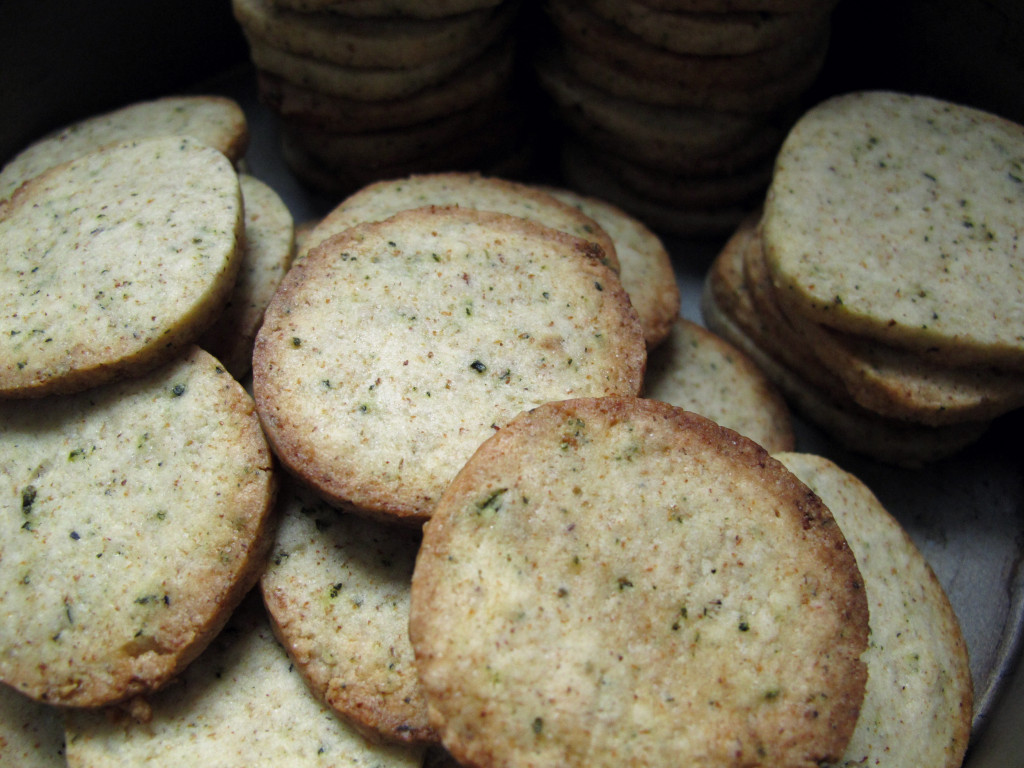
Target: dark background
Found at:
x=61, y=61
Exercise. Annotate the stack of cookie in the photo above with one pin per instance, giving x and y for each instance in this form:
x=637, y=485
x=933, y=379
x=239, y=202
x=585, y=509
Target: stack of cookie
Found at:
x=374, y=89
x=881, y=286
x=675, y=108
x=137, y=483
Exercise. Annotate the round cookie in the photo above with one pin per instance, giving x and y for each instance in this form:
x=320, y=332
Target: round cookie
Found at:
x=213, y=120
x=269, y=247
x=616, y=581
x=697, y=370
x=708, y=34
x=240, y=704
x=896, y=217
x=478, y=80
x=918, y=702
x=369, y=43
x=135, y=516
x=467, y=190
x=31, y=733
x=114, y=261
x=645, y=267
x=393, y=348
x=337, y=589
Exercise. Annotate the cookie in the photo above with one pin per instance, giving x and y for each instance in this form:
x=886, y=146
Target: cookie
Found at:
x=764, y=97
x=908, y=236
x=369, y=43
x=467, y=190
x=670, y=218
x=337, y=589
x=698, y=370
x=654, y=131
x=918, y=701
x=708, y=34
x=240, y=704
x=269, y=247
x=394, y=147
x=354, y=83
x=394, y=348
x=644, y=265
x=585, y=31
x=135, y=517
x=497, y=152
x=376, y=8
x=482, y=78
x=213, y=120
x=613, y=580
x=728, y=310
x=31, y=734
x=726, y=187
x=113, y=262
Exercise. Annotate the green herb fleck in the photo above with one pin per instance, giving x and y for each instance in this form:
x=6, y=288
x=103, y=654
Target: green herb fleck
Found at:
x=178, y=390
x=28, y=498
x=538, y=725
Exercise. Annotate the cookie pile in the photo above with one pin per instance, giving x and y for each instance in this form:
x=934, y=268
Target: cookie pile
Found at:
x=485, y=542
x=881, y=285
x=368, y=90
x=675, y=109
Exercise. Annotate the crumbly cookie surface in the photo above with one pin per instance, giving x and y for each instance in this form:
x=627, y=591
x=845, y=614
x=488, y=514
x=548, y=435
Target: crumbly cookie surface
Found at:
x=134, y=518
x=113, y=262
x=213, y=120
x=394, y=348
x=918, y=702
x=337, y=589
x=614, y=580
x=896, y=217
x=240, y=704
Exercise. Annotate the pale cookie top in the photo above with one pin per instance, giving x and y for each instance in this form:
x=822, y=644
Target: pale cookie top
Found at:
x=214, y=120
x=269, y=247
x=645, y=267
x=702, y=372
x=918, y=703
x=113, y=261
x=31, y=733
x=616, y=581
x=897, y=217
x=134, y=518
x=394, y=348
x=468, y=190
x=337, y=589
x=241, y=704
